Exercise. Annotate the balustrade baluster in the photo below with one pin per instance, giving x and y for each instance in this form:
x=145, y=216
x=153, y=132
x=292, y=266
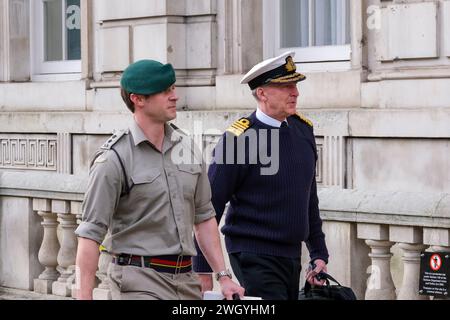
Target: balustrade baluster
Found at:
x=68, y=249
x=49, y=248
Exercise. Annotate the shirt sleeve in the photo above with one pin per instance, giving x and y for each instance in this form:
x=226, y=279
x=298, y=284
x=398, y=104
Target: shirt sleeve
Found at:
x=101, y=198
x=203, y=211
x=224, y=175
x=203, y=207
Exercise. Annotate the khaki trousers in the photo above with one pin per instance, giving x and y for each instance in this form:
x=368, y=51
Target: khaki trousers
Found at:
x=140, y=283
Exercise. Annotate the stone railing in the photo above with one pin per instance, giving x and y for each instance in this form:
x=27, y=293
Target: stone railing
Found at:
x=362, y=228
x=413, y=222
x=55, y=200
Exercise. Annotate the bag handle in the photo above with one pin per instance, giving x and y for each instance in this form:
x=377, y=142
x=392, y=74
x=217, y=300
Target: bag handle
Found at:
x=323, y=275
x=320, y=276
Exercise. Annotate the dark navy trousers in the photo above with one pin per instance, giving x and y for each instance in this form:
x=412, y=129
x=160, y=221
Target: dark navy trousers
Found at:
x=268, y=277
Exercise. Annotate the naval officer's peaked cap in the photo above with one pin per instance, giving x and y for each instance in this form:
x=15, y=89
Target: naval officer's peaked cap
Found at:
x=281, y=69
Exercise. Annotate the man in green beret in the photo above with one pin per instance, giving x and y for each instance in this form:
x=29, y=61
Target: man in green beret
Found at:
x=142, y=202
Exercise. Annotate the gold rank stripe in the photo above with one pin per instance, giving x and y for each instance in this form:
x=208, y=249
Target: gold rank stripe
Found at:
x=235, y=131
x=289, y=78
x=239, y=127
x=304, y=119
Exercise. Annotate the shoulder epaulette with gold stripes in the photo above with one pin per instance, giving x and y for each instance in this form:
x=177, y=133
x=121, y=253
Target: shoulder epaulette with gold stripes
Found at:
x=304, y=119
x=240, y=126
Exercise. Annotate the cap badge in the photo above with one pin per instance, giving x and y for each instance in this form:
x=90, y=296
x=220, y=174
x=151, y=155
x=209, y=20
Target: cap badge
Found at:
x=290, y=64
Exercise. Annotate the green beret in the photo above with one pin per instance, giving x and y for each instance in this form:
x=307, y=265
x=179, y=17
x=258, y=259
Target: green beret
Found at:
x=147, y=77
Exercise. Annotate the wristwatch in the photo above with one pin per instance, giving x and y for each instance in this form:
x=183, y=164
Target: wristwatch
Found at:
x=223, y=273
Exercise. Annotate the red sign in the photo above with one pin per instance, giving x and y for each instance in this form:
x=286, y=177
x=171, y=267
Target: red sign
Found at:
x=435, y=262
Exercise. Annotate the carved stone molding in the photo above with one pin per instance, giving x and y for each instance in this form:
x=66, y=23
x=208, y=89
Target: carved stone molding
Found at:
x=335, y=161
x=32, y=152
x=319, y=163
x=332, y=161
x=64, y=153
x=40, y=152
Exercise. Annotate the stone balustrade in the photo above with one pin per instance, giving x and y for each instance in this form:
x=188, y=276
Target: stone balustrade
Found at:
x=363, y=228
x=415, y=222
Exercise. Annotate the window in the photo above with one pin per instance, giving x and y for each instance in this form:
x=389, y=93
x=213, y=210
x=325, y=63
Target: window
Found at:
x=56, y=37
x=318, y=30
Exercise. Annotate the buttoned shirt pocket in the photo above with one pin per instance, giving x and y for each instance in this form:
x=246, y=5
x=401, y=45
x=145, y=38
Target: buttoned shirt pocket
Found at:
x=188, y=174
x=146, y=184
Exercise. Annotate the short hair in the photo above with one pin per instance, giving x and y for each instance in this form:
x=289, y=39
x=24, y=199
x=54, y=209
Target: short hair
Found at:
x=255, y=94
x=126, y=98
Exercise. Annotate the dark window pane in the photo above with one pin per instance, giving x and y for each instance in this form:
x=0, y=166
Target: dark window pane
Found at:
x=73, y=29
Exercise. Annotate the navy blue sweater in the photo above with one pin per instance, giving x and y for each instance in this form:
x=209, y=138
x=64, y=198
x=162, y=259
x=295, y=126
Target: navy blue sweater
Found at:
x=268, y=214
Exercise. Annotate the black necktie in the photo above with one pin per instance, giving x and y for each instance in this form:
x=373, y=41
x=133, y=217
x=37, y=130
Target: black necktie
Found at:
x=284, y=124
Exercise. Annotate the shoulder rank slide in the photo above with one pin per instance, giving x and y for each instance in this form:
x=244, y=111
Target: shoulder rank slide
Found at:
x=240, y=126
x=304, y=119
x=113, y=140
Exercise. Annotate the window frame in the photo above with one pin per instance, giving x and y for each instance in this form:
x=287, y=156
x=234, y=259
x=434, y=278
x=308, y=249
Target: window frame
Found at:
x=4, y=43
x=337, y=55
x=47, y=70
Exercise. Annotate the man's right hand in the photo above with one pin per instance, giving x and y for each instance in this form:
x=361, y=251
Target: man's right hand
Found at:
x=206, y=281
x=230, y=288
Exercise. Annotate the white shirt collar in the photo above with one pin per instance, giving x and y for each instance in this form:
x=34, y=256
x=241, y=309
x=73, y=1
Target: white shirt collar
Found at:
x=264, y=118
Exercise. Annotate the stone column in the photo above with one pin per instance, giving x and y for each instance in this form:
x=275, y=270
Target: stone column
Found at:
x=76, y=211
x=103, y=291
x=68, y=250
x=410, y=239
x=411, y=272
x=49, y=248
x=380, y=285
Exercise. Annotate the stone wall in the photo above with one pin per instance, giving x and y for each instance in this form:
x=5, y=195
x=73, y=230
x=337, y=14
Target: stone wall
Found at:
x=381, y=118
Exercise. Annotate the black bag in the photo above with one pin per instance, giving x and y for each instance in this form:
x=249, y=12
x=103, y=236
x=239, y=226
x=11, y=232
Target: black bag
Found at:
x=326, y=292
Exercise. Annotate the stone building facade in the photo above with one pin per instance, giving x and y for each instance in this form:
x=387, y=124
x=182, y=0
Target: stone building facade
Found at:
x=378, y=92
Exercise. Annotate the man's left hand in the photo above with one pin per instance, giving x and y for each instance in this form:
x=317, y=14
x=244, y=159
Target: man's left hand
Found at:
x=312, y=273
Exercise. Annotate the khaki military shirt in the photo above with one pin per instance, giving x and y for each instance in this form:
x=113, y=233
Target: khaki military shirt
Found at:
x=169, y=192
